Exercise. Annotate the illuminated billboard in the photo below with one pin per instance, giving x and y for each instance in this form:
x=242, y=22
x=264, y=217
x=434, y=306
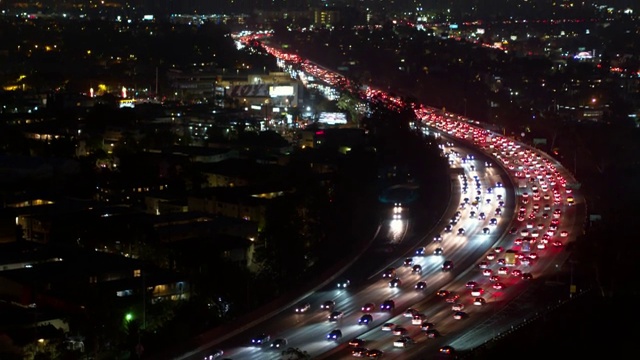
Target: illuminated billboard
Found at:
x=332, y=118
x=260, y=90
x=279, y=90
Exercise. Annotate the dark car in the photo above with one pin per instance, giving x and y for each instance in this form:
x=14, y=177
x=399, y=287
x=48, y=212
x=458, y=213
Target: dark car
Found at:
x=447, y=265
x=279, y=343
x=302, y=308
x=357, y=342
x=334, y=335
x=396, y=282
x=416, y=269
x=260, y=339
x=336, y=315
x=374, y=354
x=387, y=305
x=215, y=354
x=328, y=305
x=421, y=285
x=365, y=319
x=389, y=273
x=343, y=284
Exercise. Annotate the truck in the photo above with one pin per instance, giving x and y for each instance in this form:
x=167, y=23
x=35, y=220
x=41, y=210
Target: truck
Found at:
x=510, y=257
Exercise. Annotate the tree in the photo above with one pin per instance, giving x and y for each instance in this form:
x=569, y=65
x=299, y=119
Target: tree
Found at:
x=295, y=354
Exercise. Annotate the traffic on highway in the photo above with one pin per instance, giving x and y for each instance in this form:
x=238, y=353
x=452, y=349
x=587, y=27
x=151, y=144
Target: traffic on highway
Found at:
x=513, y=209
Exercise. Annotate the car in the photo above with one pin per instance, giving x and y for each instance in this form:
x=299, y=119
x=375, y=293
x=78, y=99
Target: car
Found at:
x=516, y=272
x=478, y=291
x=527, y=276
x=399, y=331
x=420, y=251
x=452, y=299
x=334, y=335
x=343, y=284
x=557, y=243
x=368, y=307
x=483, y=264
x=447, y=265
x=446, y=350
x=498, y=249
x=357, y=342
x=431, y=333
x=471, y=284
x=486, y=230
x=335, y=316
x=458, y=315
x=487, y=272
x=457, y=307
x=215, y=354
x=533, y=256
x=408, y=262
x=403, y=341
x=479, y=301
x=328, y=305
x=503, y=270
x=279, y=343
x=260, y=339
x=396, y=282
x=437, y=238
x=365, y=319
x=418, y=319
x=502, y=262
x=387, y=305
x=302, y=308
x=448, y=228
x=388, y=327
x=421, y=285
x=374, y=354
x=491, y=256
x=498, y=285
x=461, y=231
x=410, y=313
x=389, y=273
x=517, y=241
x=564, y=233
x=494, y=278
x=442, y=293
x=438, y=251
x=359, y=352
x=416, y=269
x=426, y=326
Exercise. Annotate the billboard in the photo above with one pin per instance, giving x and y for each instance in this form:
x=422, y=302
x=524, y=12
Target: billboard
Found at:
x=332, y=118
x=260, y=90
x=279, y=90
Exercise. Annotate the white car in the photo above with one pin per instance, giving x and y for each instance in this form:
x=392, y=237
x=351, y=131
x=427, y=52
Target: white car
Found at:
x=479, y=301
x=388, y=327
x=457, y=307
x=403, y=341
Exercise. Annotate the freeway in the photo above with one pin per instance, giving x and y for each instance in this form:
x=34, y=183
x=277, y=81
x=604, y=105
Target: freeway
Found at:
x=534, y=219
x=308, y=330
